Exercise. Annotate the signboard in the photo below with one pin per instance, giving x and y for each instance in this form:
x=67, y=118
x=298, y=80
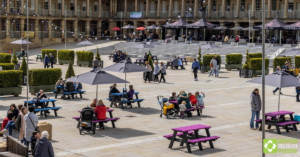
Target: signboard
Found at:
x=30, y=34
x=136, y=15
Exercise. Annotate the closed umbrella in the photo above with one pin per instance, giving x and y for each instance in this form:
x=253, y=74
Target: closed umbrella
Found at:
x=125, y=66
x=84, y=43
x=278, y=79
x=151, y=27
x=96, y=77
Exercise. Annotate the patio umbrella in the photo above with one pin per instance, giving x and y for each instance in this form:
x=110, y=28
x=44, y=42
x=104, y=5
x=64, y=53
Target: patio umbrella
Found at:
x=125, y=66
x=178, y=24
x=128, y=27
x=21, y=42
x=143, y=46
x=116, y=29
x=250, y=29
x=278, y=79
x=237, y=28
x=85, y=42
x=96, y=77
x=200, y=24
x=274, y=24
x=294, y=26
x=140, y=28
x=220, y=28
x=151, y=27
x=209, y=46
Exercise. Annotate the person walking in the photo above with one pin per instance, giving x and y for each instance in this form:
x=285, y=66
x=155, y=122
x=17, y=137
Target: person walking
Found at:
x=218, y=66
x=162, y=72
x=52, y=60
x=43, y=147
x=46, y=61
x=147, y=74
x=96, y=63
x=213, y=66
x=156, y=71
x=195, y=67
x=255, y=108
x=298, y=94
x=278, y=69
x=31, y=121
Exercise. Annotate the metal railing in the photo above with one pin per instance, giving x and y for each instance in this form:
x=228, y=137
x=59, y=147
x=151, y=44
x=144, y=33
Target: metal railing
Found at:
x=56, y=34
x=164, y=14
x=31, y=11
x=15, y=34
x=43, y=34
x=69, y=13
x=81, y=13
x=152, y=14
x=94, y=14
x=105, y=14
x=55, y=12
x=14, y=10
x=70, y=35
x=2, y=34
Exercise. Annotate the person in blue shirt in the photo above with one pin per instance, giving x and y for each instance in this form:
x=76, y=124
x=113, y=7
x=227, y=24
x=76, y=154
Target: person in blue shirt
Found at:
x=195, y=67
x=180, y=62
x=46, y=61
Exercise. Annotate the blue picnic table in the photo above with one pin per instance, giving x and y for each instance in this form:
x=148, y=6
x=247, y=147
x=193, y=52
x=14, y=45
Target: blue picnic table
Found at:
x=60, y=90
x=121, y=99
x=44, y=106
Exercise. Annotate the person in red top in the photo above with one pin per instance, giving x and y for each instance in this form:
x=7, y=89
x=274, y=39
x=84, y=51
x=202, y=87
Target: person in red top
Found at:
x=192, y=98
x=100, y=112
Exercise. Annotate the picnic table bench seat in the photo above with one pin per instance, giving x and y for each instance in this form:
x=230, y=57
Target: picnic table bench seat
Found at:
x=288, y=123
x=47, y=109
x=178, y=134
x=203, y=139
x=70, y=93
x=132, y=101
x=260, y=120
x=114, y=119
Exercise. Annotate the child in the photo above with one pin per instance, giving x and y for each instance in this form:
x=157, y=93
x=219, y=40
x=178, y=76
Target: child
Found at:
x=193, y=99
x=182, y=109
x=200, y=101
x=100, y=112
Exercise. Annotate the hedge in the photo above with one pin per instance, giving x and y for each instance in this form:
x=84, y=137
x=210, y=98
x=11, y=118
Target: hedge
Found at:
x=207, y=58
x=48, y=51
x=297, y=61
x=7, y=66
x=280, y=61
x=39, y=77
x=256, y=63
x=234, y=58
x=66, y=55
x=255, y=55
x=5, y=58
x=10, y=78
x=85, y=55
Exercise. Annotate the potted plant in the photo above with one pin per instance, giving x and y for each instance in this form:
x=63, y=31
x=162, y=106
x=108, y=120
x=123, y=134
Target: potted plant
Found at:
x=11, y=81
x=84, y=58
x=233, y=61
x=245, y=71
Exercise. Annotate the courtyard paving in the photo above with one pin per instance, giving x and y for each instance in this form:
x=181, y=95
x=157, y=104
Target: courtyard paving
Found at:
x=139, y=131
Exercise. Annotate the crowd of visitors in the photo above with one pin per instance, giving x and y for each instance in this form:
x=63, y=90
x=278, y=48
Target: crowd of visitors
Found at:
x=119, y=56
x=128, y=94
x=49, y=60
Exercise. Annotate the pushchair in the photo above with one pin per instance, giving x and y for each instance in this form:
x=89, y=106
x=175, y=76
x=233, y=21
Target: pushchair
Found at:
x=168, y=110
x=86, y=120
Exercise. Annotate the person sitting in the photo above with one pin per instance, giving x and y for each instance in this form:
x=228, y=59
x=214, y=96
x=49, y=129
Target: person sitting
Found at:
x=180, y=63
x=192, y=98
x=113, y=89
x=12, y=115
x=60, y=85
x=39, y=97
x=100, y=112
x=130, y=94
x=175, y=63
x=78, y=86
x=183, y=97
x=94, y=103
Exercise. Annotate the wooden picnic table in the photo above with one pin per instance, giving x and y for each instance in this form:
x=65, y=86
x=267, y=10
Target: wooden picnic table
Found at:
x=190, y=135
x=44, y=106
x=117, y=97
x=278, y=120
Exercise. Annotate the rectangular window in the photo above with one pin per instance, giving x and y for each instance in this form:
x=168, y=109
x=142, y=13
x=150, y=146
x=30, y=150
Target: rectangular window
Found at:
x=214, y=6
x=258, y=2
x=71, y=6
x=290, y=7
x=274, y=4
x=95, y=8
x=59, y=6
x=46, y=5
x=228, y=5
x=243, y=4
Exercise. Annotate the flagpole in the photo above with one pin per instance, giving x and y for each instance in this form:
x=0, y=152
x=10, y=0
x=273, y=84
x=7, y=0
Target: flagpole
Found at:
x=263, y=74
x=27, y=29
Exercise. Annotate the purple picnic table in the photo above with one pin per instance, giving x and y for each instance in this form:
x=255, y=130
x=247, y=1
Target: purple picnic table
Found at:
x=185, y=130
x=107, y=110
x=278, y=120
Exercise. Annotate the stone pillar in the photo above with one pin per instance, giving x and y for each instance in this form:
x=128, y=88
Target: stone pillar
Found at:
x=63, y=27
x=238, y=8
x=253, y=8
x=285, y=15
x=182, y=7
x=125, y=8
x=158, y=8
x=100, y=8
x=136, y=7
x=7, y=6
x=87, y=28
x=196, y=6
x=62, y=7
x=88, y=8
x=170, y=7
x=50, y=7
x=147, y=8
x=209, y=8
x=36, y=6
x=8, y=28
x=111, y=8
x=36, y=29
x=50, y=29
x=99, y=29
x=269, y=9
x=76, y=29
x=223, y=8
x=158, y=31
x=75, y=8
x=22, y=7
x=22, y=24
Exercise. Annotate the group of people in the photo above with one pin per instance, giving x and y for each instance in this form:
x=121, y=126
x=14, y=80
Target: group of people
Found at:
x=128, y=94
x=140, y=37
x=25, y=121
x=49, y=60
x=119, y=56
x=177, y=62
x=214, y=66
x=186, y=101
x=99, y=110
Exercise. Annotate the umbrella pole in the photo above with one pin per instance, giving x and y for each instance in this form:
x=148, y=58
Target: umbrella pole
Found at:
x=279, y=99
x=97, y=92
x=125, y=81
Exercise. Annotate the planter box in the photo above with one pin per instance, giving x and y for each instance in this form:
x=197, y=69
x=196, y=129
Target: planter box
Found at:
x=246, y=73
x=15, y=91
x=35, y=89
x=259, y=72
x=61, y=62
x=84, y=63
x=233, y=66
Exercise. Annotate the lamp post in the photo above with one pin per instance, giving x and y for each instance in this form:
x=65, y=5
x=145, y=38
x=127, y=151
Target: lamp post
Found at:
x=202, y=9
x=187, y=15
x=27, y=29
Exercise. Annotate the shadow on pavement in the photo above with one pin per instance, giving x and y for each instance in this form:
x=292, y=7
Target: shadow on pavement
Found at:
x=120, y=133
x=143, y=111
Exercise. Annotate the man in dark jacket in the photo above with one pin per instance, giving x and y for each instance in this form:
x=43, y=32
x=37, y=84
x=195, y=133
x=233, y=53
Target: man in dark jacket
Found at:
x=52, y=60
x=298, y=94
x=255, y=108
x=195, y=67
x=43, y=147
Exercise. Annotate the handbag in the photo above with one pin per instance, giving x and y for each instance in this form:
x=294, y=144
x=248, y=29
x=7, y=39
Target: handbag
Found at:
x=36, y=128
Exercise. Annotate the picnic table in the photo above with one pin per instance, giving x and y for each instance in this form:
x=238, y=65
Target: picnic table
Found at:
x=44, y=106
x=60, y=90
x=278, y=120
x=170, y=63
x=190, y=135
x=139, y=61
x=112, y=119
x=121, y=99
x=198, y=109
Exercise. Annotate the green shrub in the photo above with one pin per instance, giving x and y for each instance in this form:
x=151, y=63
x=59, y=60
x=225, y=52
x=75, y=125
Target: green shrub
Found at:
x=85, y=55
x=234, y=58
x=70, y=71
x=280, y=61
x=48, y=51
x=199, y=56
x=10, y=78
x=256, y=63
x=297, y=61
x=245, y=66
x=150, y=62
x=14, y=59
x=23, y=67
x=207, y=58
x=66, y=55
x=5, y=58
x=7, y=66
x=98, y=55
x=255, y=55
x=39, y=77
